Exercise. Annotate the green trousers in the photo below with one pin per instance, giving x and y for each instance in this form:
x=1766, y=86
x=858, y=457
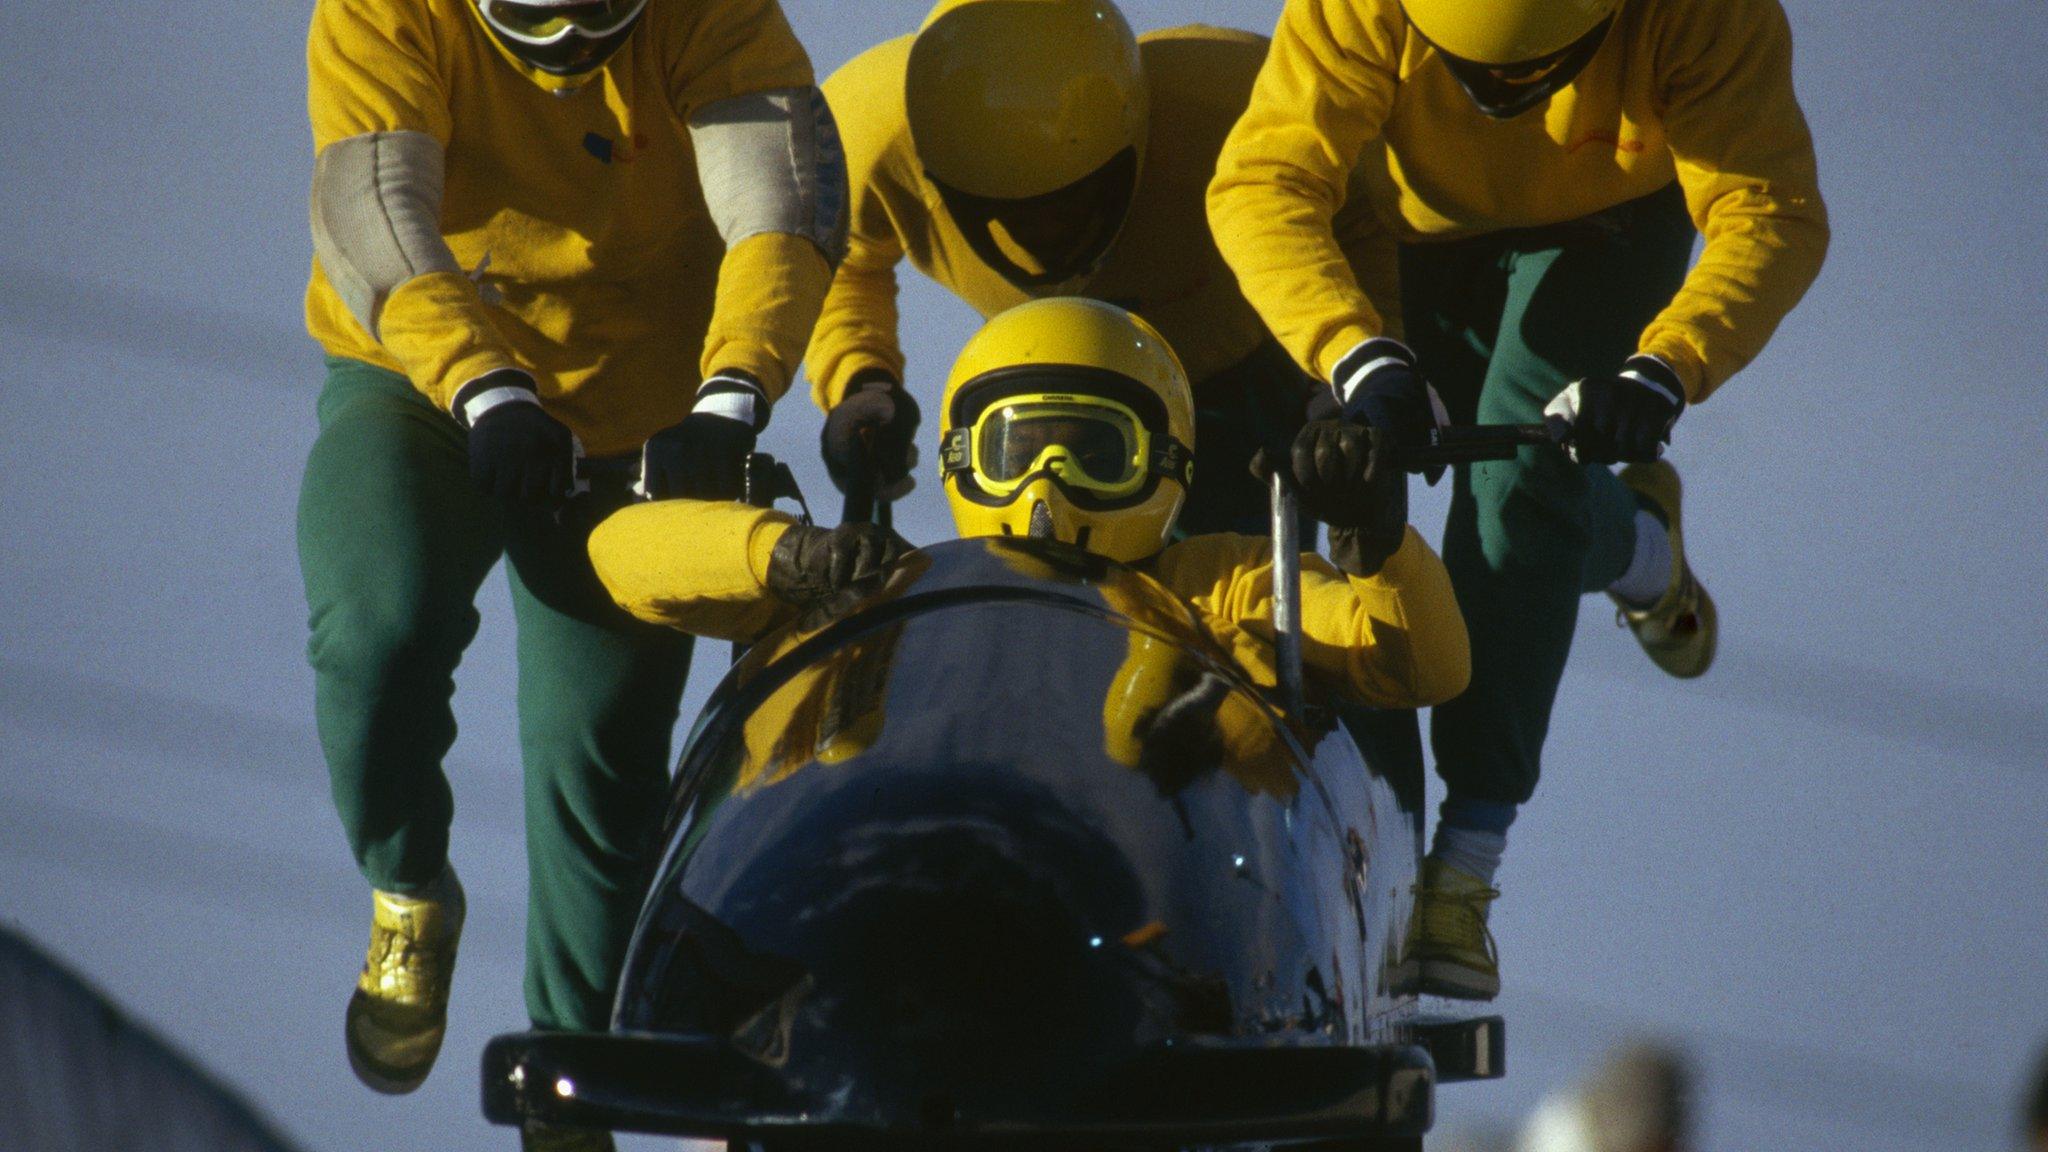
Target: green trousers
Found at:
x=394, y=542
x=1501, y=324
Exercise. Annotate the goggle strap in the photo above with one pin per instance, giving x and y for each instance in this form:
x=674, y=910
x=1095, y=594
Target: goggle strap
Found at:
x=1172, y=460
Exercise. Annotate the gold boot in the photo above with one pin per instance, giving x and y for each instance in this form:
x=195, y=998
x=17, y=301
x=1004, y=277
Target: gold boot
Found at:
x=400, y=1008
x=1452, y=949
x=1680, y=630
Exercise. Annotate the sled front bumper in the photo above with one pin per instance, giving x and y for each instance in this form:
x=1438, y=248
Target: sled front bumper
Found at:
x=701, y=1086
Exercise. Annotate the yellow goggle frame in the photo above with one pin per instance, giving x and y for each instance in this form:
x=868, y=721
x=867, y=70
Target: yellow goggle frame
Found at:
x=984, y=451
x=542, y=27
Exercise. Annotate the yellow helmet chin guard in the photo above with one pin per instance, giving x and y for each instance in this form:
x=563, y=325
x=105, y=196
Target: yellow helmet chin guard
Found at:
x=1030, y=117
x=1506, y=32
x=1068, y=419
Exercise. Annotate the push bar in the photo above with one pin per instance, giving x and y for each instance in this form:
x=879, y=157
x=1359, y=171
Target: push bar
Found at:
x=1473, y=443
x=863, y=501
x=1287, y=589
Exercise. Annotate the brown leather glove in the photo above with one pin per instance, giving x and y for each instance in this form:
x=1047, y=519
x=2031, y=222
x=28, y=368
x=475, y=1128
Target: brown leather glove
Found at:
x=810, y=566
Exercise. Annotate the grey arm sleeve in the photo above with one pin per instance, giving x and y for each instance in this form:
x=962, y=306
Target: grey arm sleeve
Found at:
x=377, y=217
x=771, y=162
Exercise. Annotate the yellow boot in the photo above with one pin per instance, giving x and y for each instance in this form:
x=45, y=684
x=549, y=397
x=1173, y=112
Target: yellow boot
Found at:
x=1452, y=950
x=1680, y=630
x=400, y=1008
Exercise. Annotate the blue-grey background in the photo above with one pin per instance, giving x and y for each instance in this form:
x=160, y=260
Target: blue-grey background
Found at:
x=1825, y=866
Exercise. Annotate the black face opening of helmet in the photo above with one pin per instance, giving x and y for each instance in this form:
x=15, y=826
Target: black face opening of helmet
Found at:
x=1504, y=91
x=1065, y=233
x=562, y=40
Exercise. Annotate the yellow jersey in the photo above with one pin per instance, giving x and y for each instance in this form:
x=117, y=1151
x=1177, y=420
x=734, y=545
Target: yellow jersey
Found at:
x=1694, y=90
x=1394, y=639
x=1164, y=265
x=586, y=254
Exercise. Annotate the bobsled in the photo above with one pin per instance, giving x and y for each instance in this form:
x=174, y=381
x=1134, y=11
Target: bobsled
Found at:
x=1009, y=854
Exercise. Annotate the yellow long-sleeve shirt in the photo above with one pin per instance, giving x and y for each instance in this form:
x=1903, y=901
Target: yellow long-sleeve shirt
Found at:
x=1394, y=639
x=1699, y=90
x=592, y=261
x=1164, y=265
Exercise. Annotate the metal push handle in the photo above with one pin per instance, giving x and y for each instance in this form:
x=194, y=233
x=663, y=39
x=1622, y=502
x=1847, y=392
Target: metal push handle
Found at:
x=1455, y=445
x=1287, y=589
x=862, y=503
x=625, y=468
x=1472, y=443
x=766, y=479
x=769, y=480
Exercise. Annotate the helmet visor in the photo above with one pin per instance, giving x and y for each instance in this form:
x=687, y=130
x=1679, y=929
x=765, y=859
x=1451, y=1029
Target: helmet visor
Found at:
x=1048, y=242
x=1504, y=91
x=539, y=25
x=1084, y=442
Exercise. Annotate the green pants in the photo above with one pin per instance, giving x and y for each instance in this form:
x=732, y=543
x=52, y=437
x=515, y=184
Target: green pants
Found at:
x=1501, y=324
x=394, y=541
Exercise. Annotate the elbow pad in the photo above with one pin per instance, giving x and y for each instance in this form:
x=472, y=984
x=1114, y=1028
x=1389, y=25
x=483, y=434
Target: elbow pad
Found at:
x=377, y=217
x=772, y=162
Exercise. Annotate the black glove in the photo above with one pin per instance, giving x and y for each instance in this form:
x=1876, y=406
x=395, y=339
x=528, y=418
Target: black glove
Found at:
x=875, y=426
x=1626, y=417
x=1379, y=384
x=705, y=456
x=810, y=566
x=1336, y=468
x=516, y=450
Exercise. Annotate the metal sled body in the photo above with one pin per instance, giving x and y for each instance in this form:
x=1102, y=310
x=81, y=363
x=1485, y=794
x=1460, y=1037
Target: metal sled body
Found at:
x=1009, y=854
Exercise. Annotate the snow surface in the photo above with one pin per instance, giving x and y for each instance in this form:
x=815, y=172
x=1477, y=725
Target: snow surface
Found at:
x=1823, y=867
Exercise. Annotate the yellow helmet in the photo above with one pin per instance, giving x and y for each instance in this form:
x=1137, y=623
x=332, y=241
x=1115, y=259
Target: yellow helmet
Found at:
x=1030, y=118
x=1068, y=419
x=1504, y=32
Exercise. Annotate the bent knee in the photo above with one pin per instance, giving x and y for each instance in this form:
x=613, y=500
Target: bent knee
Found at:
x=1532, y=515
x=391, y=636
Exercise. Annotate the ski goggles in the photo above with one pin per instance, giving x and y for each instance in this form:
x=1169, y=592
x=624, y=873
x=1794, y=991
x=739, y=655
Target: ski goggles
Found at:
x=545, y=25
x=1087, y=443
